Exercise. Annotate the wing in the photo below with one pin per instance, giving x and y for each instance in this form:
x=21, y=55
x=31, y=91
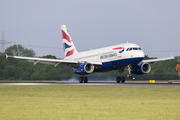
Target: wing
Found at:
x=156, y=60
x=55, y=62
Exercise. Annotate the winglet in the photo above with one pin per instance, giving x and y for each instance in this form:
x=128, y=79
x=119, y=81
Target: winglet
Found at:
x=6, y=56
x=172, y=57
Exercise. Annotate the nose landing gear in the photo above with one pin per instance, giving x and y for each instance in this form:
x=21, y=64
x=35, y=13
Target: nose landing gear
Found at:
x=129, y=69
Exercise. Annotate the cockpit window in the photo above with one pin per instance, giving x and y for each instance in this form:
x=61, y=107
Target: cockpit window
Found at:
x=134, y=48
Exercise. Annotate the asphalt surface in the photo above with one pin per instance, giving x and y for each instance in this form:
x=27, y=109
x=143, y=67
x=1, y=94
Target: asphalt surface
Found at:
x=97, y=83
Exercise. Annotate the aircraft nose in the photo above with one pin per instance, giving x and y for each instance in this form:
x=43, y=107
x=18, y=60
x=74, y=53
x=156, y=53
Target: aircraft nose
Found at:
x=141, y=54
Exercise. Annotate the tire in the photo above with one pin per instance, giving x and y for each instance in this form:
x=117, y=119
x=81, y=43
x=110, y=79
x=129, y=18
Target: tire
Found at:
x=85, y=79
x=81, y=80
x=118, y=79
x=123, y=80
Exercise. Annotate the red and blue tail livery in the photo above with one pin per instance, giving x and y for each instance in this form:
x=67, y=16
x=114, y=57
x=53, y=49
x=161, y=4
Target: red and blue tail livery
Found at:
x=69, y=48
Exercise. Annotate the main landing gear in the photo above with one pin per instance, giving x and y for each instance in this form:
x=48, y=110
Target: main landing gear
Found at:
x=83, y=79
x=120, y=78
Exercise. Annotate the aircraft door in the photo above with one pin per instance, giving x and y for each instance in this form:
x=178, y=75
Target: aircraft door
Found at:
x=119, y=51
x=119, y=54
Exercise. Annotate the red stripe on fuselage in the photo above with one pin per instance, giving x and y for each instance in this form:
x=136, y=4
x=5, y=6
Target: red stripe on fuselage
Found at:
x=70, y=52
x=65, y=36
x=118, y=48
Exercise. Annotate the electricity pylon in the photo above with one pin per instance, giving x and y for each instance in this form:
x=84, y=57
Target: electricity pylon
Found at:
x=3, y=43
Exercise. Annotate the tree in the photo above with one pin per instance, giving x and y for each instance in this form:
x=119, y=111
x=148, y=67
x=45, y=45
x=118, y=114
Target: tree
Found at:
x=19, y=50
x=147, y=57
x=49, y=56
x=17, y=69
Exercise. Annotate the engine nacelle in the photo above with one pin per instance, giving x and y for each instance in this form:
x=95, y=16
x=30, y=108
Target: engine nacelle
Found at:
x=141, y=68
x=84, y=68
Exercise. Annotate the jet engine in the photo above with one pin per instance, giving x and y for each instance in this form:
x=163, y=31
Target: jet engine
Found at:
x=84, y=68
x=141, y=68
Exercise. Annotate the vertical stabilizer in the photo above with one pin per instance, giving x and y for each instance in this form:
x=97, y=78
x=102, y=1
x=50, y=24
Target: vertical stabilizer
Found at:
x=69, y=48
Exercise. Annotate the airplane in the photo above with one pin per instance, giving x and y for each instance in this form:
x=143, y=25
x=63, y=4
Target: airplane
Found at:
x=116, y=57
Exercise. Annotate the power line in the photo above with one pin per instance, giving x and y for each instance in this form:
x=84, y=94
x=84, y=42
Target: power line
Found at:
x=60, y=48
x=3, y=43
x=165, y=51
x=49, y=47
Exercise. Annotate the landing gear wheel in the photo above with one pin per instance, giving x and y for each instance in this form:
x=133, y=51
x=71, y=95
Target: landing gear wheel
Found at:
x=123, y=80
x=85, y=79
x=81, y=79
x=118, y=79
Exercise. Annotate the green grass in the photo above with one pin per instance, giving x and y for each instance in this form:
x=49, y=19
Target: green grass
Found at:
x=89, y=102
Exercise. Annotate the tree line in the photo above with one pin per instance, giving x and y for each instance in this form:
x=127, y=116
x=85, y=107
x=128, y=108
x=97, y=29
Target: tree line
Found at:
x=17, y=69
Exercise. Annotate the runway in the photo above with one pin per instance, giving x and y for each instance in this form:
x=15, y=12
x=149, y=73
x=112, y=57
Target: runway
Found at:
x=97, y=83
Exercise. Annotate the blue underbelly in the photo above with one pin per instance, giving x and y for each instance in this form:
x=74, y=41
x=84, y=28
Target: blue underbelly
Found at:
x=117, y=64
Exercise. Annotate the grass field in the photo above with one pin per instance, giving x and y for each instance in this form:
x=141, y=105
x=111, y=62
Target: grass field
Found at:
x=60, y=102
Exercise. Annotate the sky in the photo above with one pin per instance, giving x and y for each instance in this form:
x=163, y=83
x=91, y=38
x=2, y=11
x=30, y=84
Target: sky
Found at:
x=154, y=25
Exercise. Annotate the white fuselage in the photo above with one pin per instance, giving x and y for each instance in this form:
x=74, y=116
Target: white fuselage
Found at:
x=108, y=54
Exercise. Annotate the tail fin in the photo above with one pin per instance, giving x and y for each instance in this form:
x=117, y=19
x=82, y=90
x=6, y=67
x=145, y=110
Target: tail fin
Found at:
x=69, y=48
